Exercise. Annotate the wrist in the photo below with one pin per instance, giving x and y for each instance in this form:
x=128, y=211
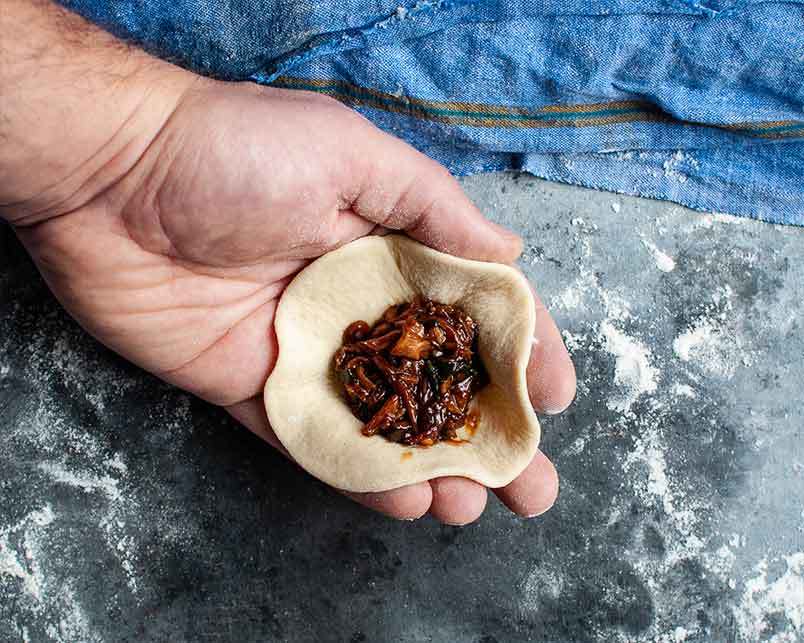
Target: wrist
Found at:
x=80, y=108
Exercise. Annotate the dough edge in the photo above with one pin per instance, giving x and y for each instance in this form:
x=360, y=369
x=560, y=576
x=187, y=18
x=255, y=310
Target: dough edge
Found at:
x=315, y=425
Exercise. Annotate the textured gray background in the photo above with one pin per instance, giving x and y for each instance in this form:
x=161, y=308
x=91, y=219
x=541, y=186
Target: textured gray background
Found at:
x=131, y=512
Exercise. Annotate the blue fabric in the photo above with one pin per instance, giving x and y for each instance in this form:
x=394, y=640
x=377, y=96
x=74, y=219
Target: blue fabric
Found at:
x=697, y=102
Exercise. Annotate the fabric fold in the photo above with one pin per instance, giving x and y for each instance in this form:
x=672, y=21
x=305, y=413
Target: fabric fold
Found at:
x=700, y=103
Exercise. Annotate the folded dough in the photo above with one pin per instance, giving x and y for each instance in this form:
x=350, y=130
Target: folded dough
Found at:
x=359, y=281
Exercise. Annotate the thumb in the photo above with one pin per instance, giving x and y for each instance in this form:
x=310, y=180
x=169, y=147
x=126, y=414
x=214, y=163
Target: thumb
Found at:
x=395, y=186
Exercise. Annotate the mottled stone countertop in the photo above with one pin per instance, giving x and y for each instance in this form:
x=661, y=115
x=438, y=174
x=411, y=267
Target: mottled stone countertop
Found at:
x=131, y=512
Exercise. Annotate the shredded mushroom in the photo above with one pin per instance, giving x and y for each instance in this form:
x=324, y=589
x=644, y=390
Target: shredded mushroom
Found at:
x=412, y=375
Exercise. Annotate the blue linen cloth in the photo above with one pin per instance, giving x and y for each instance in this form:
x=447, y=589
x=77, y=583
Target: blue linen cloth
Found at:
x=700, y=102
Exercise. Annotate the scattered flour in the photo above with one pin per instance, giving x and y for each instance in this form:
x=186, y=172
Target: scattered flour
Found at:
x=656, y=474
x=539, y=585
x=683, y=390
x=111, y=523
x=571, y=340
x=25, y=568
x=633, y=372
x=21, y=551
x=707, y=221
x=711, y=342
x=664, y=262
x=678, y=635
x=694, y=340
x=761, y=599
x=105, y=484
x=73, y=626
x=569, y=299
x=576, y=447
x=583, y=292
x=680, y=508
x=731, y=219
x=721, y=563
x=58, y=455
x=705, y=345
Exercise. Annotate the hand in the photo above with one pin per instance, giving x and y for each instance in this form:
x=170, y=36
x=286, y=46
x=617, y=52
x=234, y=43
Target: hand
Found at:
x=179, y=267
x=179, y=261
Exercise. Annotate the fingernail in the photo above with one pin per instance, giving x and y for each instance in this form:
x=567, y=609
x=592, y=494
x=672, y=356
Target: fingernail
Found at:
x=553, y=411
x=540, y=513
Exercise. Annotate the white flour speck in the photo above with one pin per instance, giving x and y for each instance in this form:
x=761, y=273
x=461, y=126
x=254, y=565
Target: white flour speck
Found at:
x=577, y=446
x=683, y=390
x=571, y=340
x=540, y=583
x=117, y=463
x=762, y=599
x=680, y=508
x=691, y=340
x=664, y=262
x=615, y=207
x=678, y=635
x=730, y=219
x=570, y=298
x=41, y=598
x=587, y=284
x=706, y=345
x=633, y=372
x=713, y=343
x=105, y=484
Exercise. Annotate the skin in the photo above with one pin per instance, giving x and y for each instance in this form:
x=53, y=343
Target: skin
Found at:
x=171, y=211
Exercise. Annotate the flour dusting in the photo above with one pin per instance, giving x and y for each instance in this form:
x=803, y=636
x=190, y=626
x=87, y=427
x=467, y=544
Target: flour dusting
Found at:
x=762, y=598
x=694, y=340
x=541, y=583
x=705, y=344
x=62, y=444
x=82, y=480
x=633, y=372
x=22, y=552
x=664, y=262
x=711, y=343
x=587, y=291
x=24, y=567
x=684, y=390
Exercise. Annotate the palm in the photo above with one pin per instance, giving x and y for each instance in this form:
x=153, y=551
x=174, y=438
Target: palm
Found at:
x=180, y=267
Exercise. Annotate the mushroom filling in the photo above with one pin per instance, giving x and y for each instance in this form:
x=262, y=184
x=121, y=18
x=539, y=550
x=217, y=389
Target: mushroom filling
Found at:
x=411, y=376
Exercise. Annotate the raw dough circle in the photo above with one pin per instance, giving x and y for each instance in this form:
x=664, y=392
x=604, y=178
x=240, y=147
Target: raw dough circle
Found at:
x=359, y=281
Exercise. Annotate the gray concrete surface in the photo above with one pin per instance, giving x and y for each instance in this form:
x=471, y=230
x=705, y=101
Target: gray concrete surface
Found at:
x=131, y=512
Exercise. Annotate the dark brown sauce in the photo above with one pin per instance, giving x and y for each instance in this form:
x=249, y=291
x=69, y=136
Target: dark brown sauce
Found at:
x=412, y=375
x=472, y=421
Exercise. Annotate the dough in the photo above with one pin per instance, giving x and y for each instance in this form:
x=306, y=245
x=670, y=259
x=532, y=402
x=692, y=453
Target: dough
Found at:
x=359, y=281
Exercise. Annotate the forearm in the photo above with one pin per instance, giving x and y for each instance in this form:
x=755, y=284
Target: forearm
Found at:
x=77, y=109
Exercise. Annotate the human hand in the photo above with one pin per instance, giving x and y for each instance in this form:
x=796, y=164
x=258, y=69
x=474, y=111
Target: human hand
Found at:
x=178, y=263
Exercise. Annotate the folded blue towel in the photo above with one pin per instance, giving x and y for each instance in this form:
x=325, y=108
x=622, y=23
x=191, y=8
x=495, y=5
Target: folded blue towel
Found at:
x=696, y=102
